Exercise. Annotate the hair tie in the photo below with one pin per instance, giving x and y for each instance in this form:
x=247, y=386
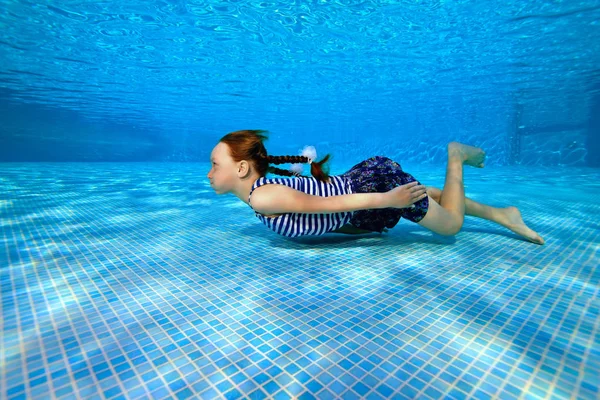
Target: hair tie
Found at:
x=296, y=169
x=309, y=152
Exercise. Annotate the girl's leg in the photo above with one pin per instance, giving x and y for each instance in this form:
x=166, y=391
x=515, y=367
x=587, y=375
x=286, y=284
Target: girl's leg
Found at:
x=446, y=218
x=472, y=207
x=509, y=217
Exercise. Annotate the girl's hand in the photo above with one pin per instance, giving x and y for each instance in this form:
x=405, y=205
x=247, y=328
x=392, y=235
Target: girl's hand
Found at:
x=405, y=195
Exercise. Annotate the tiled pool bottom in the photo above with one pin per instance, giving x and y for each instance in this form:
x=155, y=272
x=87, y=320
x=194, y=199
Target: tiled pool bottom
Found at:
x=136, y=281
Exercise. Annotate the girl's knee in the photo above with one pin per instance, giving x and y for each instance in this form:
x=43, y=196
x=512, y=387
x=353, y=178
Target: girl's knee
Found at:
x=434, y=193
x=454, y=226
x=442, y=221
x=458, y=223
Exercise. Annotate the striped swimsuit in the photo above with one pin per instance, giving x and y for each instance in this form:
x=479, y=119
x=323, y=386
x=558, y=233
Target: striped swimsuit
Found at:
x=300, y=224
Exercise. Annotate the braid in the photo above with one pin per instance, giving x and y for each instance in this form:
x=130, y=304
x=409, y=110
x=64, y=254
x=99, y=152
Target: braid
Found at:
x=284, y=160
x=287, y=159
x=316, y=167
x=249, y=145
x=279, y=171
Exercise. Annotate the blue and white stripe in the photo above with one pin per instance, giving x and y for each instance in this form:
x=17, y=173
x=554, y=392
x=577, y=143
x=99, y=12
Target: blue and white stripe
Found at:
x=300, y=224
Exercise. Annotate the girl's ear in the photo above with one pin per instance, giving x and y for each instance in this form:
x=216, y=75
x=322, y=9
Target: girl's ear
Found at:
x=243, y=164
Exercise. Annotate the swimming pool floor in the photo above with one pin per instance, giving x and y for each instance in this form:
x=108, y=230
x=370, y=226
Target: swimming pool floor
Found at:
x=136, y=281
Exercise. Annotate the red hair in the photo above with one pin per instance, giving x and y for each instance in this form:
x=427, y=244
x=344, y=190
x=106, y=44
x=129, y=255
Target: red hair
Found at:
x=248, y=145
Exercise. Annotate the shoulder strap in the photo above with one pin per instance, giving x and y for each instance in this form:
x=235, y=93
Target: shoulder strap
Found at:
x=259, y=182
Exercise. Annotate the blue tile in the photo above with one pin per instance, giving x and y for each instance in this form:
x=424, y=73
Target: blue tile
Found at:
x=63, y=391
x=314, y=386
x=307, y=396
x=233, y=394
x=160, y=393
x=271, y=387
x=295, y=389
x=39, y=381
x=104, y=374
x=261, y=378
x=282, y=396
x=433, y=392
x=274, y=371
x=112, y=392
x=15, y=390
x=155, y=384
x=457, y=394
x=37, y=372
x=176, y=385
x=360, y=389
x=390, y=325
x=589, y=386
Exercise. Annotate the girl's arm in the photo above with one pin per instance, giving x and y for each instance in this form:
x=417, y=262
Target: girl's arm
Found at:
x=279, y=199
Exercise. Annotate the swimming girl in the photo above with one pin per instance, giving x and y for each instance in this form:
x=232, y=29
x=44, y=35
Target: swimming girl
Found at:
x=370, y=197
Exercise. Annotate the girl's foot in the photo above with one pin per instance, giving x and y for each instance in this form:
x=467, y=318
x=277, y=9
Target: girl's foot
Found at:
x=469, y=155
x=511, y=219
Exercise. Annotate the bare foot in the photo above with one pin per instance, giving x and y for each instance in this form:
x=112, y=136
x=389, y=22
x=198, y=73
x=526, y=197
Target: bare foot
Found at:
x=514, y=222
x=469, y=155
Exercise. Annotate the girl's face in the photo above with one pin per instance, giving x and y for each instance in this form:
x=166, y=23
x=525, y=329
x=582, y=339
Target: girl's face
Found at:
x=222, y=174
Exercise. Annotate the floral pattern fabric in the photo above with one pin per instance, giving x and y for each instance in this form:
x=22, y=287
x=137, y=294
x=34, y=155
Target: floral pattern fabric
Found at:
x=381, y=174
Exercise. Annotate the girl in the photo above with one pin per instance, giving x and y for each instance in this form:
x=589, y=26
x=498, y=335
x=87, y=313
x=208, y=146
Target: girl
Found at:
x=370, y=197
